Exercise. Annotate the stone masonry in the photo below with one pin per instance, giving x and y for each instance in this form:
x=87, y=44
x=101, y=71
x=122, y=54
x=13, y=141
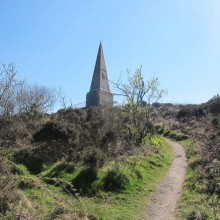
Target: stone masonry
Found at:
x=99, y=94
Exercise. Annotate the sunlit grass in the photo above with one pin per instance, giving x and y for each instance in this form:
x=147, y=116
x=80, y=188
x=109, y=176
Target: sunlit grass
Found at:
x=144, y=171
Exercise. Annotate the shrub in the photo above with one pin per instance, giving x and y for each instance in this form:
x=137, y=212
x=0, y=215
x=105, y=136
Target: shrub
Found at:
x=8, y=186
x=84, y=180
x=94, y=158
x=183, y=113
x=160, y=130
x=213, y=105
x=115, y=181
x=56, y=212
x=26, y=184
x=166, y=133
x=51, y=131
x=63, y=166
x=181, y=137
x=70, y=168
x=34, y=163
x=215, y=122
x=138, y=174
x=196, y=111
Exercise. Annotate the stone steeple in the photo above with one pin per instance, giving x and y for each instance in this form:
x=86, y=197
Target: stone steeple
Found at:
x=99, y=94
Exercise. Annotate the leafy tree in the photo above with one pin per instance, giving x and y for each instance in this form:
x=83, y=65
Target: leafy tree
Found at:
x=140, y=95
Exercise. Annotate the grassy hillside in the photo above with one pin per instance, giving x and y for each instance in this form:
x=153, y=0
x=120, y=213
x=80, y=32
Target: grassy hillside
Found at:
x=200, y=198
x=77, y=164
x=115, y=191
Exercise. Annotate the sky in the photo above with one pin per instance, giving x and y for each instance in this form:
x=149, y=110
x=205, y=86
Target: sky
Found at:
x=55, y=43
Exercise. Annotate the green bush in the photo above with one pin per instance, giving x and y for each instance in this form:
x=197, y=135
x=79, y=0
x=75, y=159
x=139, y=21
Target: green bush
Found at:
x=159, y=129
x=94, y=158
x=166, y=133
x=33, y=162
x=63, y=166
x=115, y=181
x=84, y=180
x=181, y=137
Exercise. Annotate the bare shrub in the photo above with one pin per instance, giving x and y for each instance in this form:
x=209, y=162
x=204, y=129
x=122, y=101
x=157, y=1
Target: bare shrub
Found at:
x=8, y=195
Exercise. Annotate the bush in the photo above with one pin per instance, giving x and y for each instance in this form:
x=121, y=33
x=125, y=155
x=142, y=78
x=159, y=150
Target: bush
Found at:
x=8, y=186
x=215, y=122
x=166, y=133
x=34, y=163
x=64, y=166
x=56, y=212
x=213, y=105
x=13, y=132
x=183, y=113
x=115, y=181
x=84, y=180
x=26, y=184
x=196, y=111
x=94, y=158
x=51, y=131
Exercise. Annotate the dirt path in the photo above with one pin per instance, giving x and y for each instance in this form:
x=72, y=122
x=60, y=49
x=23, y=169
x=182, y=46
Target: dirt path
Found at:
x=163, y=202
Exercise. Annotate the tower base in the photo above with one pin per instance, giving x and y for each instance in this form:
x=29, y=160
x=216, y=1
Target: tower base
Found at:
x=99, y=98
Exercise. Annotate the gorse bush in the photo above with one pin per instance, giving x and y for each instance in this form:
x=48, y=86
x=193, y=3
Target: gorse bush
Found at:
x=89, y=136
x=34, y=163
x=51, y=131
x=115, y=181
x=191, y=111
x=213, y=105
x=84, y=180
x=94, y=158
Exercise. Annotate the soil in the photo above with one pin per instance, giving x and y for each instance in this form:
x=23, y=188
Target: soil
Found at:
x=164, y=201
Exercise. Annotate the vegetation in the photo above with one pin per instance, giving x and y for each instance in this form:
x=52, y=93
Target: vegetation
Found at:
x=17, y=96
x=102, y=163
x=64, y=189
x=140, y=95
x=77, y=163
x=200, y=198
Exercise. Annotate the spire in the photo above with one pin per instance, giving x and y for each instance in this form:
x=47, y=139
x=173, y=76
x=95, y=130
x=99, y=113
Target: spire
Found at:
x=99, y=94
x=100, y=78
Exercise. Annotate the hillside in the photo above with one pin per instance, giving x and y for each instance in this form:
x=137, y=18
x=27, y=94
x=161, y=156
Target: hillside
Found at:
x=91, y=164
x=200, y=123
x=78, y=164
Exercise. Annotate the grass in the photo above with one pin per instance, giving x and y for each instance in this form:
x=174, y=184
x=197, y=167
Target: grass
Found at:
x=131, y=203
x=142, y=172
x=170, y=133
x=196, y=203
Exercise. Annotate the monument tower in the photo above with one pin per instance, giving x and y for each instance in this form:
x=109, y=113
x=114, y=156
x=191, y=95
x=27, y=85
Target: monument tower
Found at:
x=99, y=94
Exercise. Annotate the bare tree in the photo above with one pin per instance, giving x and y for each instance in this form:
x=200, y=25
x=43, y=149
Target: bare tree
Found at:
x=35, y=99
x=8, y=87
x=18, y=96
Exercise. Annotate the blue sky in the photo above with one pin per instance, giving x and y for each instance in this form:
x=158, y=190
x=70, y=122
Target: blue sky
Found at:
x=55, y=43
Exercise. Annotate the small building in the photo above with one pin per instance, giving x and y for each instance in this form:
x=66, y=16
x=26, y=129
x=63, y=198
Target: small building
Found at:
x=99, y=94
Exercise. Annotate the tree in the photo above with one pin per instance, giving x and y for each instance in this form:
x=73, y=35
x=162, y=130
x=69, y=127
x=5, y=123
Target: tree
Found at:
x=35, y=99
x=17, y=96
x=140, y=95
x=8, y=87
